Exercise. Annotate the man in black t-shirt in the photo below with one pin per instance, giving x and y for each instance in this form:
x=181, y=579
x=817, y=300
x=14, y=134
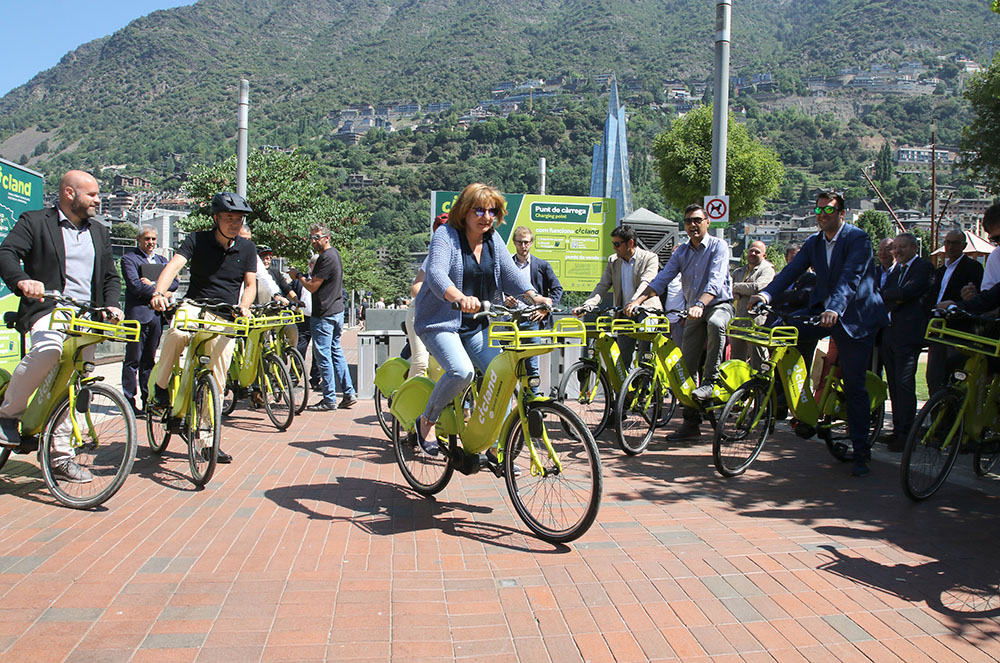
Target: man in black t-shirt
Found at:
x=221, y=263
x=327, y=321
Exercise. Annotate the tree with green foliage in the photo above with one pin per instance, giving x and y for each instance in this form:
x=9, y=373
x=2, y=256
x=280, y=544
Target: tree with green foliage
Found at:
x=980, y=138
x=877, y=225
x=124, y=230
x=287, y=196
x=684, y=159
x=883, y=163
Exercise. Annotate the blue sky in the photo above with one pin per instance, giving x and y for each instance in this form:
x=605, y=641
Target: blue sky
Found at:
x=35, y=34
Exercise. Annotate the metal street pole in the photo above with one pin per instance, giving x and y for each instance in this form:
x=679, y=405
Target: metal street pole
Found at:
x=541, y=176
x=720, y=114
x=934, y=230
x=241, y=134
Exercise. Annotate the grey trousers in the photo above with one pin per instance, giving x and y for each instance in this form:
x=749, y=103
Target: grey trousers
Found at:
x=708, y=332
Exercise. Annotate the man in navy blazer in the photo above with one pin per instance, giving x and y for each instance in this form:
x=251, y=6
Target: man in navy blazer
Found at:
x=543, y=280
x=904, y=294
x=140, y=356
x=848, y=303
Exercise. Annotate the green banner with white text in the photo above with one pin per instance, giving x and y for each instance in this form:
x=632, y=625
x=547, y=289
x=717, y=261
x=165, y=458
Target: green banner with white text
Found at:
x=573, y=233
x=20, y=191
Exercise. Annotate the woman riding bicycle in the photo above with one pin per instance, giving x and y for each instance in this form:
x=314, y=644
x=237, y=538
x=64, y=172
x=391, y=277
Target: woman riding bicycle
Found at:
x=468, y=263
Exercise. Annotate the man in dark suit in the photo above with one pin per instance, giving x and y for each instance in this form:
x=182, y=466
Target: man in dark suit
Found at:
x=543, y=280
x=957, y=272
x=61, y=249
x=885, y=262
x=849, y=306
x=140, y=282
x=904, y=294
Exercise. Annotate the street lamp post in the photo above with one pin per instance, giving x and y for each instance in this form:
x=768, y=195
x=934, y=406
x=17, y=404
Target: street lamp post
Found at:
x=720, y=109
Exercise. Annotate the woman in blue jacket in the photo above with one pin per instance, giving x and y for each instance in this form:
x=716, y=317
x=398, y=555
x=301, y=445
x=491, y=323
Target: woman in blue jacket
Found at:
x=468, y=263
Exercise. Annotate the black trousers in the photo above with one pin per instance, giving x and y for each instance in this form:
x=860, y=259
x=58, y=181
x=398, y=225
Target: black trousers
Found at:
x=140, y=357
x=901, y=374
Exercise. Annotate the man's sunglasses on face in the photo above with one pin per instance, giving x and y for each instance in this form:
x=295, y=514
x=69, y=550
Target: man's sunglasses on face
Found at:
x=693, y=220
x=827, y=209
x=316, y=238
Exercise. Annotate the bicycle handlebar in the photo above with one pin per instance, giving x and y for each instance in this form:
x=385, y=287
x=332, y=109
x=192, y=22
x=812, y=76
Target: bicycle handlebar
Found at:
x=86, y=307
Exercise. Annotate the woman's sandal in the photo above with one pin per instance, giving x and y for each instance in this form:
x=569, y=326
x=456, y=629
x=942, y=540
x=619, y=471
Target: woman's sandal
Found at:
x=430, y=446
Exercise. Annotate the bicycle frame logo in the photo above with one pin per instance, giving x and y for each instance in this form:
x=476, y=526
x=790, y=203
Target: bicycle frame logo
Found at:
x=484, y=406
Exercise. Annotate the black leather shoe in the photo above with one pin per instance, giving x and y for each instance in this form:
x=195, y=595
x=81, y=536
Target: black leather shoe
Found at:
x=10, y=434
x=689, y=430
x=224, y=458
x=161, y=397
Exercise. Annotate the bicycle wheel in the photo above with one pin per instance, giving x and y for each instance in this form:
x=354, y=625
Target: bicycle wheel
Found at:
x=299, y=378
x=668, y=408
x=229, y=399
x=428, y=475
x=157, y=434
x=557, y=499
x=276, y=389
x=742, y=429
x=637, y=411
x=983, y=460
x=385, y=417
x=106, y=450
x=932, y=445
x=838, y=439
x=204, y=423
x=585, y=390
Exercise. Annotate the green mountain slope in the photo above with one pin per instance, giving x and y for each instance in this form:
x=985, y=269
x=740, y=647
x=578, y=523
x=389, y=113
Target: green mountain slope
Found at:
x=166, y=84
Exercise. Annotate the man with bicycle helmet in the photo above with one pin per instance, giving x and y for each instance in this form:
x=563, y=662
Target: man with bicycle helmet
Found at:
x=221, y=262
x=61, y=250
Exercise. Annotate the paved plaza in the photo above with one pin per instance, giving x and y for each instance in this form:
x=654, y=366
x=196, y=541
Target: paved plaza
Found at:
x=309, y=547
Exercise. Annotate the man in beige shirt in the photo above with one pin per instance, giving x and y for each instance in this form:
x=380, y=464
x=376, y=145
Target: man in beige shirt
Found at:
x=628, y=272
x=748, y=280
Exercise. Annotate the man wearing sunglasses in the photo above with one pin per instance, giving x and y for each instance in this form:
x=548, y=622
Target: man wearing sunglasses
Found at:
x=628, y=272
x=326, y=286
x=846, y=299
x=703, y=265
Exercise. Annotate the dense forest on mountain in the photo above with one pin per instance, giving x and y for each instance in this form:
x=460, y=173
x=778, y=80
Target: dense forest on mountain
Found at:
x=158, y=97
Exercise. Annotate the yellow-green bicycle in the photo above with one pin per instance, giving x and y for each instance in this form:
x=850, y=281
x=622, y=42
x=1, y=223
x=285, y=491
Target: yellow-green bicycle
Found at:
x=76, y=415
x=195, y=411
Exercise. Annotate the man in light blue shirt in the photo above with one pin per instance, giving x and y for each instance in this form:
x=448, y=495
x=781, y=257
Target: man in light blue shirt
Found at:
x=703, y=263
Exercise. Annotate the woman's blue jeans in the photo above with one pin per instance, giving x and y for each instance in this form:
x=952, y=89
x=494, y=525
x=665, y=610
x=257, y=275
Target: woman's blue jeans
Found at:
x=459, y=361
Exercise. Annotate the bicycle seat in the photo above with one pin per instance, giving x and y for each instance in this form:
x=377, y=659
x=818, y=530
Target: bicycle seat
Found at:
x=10, y=319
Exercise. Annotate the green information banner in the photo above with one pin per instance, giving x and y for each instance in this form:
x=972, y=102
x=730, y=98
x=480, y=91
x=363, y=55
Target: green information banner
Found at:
x=573, y=233
x=20, y=191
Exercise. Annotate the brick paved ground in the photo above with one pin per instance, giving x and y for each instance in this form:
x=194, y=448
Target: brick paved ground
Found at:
x=309, y=548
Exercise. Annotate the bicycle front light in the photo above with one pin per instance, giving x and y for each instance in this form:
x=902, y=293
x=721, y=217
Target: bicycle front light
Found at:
x=960, y=376
x=765, y=367
x=534, y=382
x=204, y=360
x=89, y=367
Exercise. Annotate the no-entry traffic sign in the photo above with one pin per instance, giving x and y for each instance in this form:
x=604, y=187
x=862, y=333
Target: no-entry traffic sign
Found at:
x=717, y=208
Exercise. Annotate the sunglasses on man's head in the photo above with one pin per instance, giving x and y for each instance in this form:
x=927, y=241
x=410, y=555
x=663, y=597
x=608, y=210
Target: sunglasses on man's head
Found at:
x=827, y=209
x=480, y=211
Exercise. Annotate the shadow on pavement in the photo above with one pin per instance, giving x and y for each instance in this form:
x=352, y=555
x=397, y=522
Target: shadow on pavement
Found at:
x=385, y=509
x=950, y=539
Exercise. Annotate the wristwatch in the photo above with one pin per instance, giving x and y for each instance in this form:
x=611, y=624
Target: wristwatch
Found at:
x=699, y=304
x=157, y=293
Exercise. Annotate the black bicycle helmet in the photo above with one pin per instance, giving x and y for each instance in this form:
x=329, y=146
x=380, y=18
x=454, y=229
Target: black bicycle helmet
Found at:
x=264, y=248
x=227, y=201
